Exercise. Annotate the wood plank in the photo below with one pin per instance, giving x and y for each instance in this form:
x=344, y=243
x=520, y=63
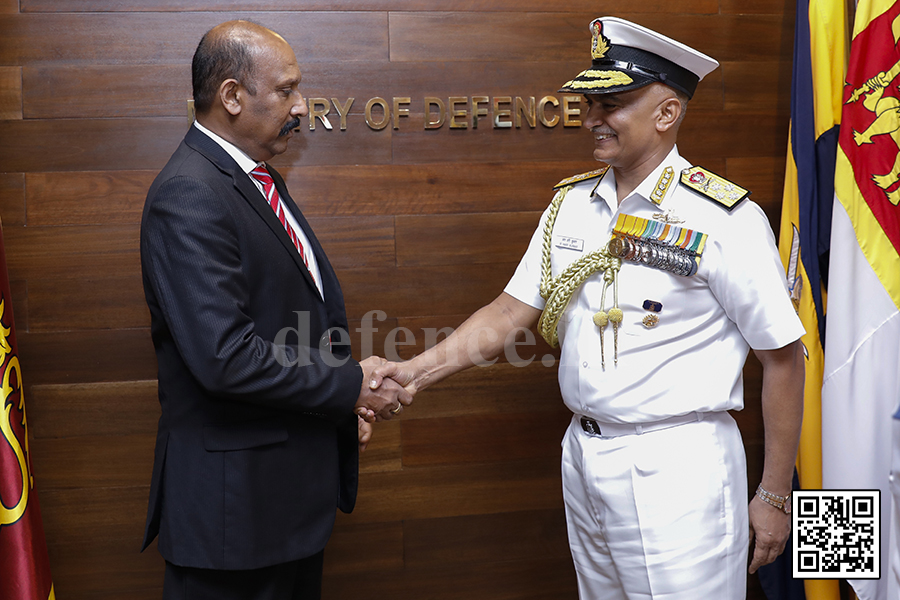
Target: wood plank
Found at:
x=758, y=87
x=484, y=438
x=758, y=7
x=10, y=93
x=725, y=135
x=86, y=356
x=436, y=188
x=89, y=145
x=362, y=547
x=117, y=197
x=440, y=290
x=119, y=512
x=563, y=36
x=764, y=176
x=652, y=6
x=500, y=389
x=111, y=302
x=384, y=452
x=97, y=568
x=87, y=197
x=19, y=291
x=9, y=6
x=79, y=463
x=93, y=409
x=454, y=490
x=142, y=144
x=457, y=541
x=464, y=239
x=57, y=252
x=542, y=579
x=12, y=199
x=161, y=38
x=124, y=91
x=94, y=251
x=484, y=144
x=356, y=242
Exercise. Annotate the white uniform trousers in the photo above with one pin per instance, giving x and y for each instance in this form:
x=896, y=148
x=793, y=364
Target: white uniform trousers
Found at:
x=658, y=516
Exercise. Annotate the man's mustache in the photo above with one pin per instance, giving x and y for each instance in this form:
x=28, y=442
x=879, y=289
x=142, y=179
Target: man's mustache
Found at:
x=294, y=124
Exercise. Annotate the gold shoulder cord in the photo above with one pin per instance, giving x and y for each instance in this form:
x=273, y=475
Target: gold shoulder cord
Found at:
x=558, y=291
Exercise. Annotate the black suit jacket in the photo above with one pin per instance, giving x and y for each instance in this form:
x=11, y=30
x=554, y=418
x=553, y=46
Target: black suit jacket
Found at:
x=257, y=442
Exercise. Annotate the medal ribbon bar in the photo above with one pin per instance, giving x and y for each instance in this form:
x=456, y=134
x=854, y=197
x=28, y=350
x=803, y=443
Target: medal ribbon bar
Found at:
x=657, y=244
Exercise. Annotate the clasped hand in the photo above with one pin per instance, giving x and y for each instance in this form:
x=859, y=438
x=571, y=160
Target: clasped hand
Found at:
x=386, y=389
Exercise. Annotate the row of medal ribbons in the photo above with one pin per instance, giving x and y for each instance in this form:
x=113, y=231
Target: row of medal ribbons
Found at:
x=658, y=245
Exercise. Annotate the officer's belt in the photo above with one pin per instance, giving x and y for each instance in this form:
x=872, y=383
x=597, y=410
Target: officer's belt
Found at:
x=609, y=430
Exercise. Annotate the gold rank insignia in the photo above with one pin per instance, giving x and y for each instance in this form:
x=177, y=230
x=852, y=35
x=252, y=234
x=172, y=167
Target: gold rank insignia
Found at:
x=582, y=177
x=716, y=188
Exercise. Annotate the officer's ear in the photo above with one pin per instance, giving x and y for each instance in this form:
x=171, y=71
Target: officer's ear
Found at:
x=669, y=113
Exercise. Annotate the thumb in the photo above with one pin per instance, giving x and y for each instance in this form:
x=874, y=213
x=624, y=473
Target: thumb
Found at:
x=388, y=369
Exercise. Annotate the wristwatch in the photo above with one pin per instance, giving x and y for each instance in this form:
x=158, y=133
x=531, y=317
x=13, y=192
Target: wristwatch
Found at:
x=782, y=503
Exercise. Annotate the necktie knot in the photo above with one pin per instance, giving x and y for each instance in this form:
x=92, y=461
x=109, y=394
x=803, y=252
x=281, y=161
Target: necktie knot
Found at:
x=261, y=174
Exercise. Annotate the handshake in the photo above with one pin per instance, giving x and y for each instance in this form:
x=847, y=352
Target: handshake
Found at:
x=387, y=387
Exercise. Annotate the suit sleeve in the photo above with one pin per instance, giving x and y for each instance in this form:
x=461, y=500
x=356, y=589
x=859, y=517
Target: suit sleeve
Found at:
x=193, y=254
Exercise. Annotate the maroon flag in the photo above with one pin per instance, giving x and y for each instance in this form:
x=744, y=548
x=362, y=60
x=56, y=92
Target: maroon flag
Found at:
x=24, y=563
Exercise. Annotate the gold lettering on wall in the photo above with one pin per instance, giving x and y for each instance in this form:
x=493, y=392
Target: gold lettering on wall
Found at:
x=462, y=112
x=343, y=110
x=542, y=115
x=318, y=109
x=386, y=113
x=455, y=113
x=442, y=112
x=477, y=111
x=526, y=110
x=569, y=112
x=500, y=113
x=400, y=112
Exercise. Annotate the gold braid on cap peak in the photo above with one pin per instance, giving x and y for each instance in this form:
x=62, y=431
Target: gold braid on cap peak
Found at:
x=559, y=291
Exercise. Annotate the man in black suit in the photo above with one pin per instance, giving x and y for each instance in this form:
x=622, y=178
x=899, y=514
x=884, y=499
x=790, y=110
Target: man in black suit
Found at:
x=258, y=439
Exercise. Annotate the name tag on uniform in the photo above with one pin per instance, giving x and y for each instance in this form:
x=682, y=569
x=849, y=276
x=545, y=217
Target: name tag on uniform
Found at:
x=569, y=243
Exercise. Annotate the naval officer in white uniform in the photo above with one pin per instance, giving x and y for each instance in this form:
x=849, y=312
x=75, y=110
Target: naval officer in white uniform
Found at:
x=656, y=278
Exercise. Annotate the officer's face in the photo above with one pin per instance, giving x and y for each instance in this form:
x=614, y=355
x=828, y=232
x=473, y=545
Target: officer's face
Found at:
x=624, y=126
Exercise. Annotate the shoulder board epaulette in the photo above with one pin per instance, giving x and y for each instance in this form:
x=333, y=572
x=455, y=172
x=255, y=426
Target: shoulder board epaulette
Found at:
x=582, y=177
x=716, y=188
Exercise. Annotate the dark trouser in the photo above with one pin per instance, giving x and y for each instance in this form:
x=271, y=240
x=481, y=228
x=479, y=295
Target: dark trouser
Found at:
x=297, y=580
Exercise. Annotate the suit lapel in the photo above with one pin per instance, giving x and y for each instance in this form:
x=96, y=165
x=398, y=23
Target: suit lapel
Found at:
x=326, y=272
x=217, y=155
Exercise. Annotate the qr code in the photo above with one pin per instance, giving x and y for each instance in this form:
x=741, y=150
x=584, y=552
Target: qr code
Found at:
x=836, y=534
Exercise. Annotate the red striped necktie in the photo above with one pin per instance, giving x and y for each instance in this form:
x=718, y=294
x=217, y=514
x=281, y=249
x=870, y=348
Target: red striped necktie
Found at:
x=261, y=174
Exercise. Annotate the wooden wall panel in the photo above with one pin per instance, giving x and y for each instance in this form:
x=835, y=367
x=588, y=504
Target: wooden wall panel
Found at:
x=10, y=93
x=435, y=188
x=464, y=238
x=85, y=356
x=170, y=38
x=651, y=6
x=461, y=497
x=12, y=198
x=564, y=36
x=87, y=197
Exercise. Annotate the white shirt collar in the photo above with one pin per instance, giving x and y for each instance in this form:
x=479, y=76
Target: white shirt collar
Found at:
x=606, y=187
x=246, y=163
